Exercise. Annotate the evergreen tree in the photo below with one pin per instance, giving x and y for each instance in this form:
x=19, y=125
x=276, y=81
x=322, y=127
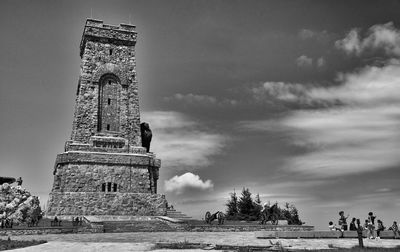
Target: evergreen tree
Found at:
x=295, y=220
x=256, y=212
x=232, y=205
x=245, y=203
x=257, y=200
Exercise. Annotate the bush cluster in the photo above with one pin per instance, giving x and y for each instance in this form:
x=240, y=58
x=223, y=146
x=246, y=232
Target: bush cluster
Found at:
x=249, y=209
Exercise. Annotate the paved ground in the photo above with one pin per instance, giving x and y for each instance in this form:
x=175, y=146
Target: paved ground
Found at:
x=145, y=241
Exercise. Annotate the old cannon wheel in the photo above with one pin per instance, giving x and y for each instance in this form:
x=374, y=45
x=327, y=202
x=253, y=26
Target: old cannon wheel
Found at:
x=207, y=217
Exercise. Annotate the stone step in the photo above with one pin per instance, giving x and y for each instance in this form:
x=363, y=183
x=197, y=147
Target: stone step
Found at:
x=136, y=226
x=177, y=214
x=173, y=213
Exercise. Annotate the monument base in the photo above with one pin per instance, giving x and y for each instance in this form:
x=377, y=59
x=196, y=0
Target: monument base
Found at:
x=99, y=203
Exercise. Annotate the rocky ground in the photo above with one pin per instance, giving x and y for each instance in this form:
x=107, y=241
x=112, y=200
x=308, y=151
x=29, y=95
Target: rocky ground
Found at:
x=146, y=241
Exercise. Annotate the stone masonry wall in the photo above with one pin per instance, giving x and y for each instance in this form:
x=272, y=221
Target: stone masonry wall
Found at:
x=103, y=54
x=90, y=203
x=89, y=172
x=90, y=177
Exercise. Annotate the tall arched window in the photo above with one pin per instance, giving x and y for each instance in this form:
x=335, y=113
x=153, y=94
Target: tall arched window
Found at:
x=108, y=114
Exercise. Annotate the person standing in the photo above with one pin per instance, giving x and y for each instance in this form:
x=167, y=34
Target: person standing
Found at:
x=360, y=234
x=371, y=218
x=371, y=225
x=343, y=221
x=395, y=229
x=353, y=226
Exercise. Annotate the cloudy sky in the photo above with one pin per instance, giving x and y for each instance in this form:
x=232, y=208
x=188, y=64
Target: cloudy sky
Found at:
x=296, y=100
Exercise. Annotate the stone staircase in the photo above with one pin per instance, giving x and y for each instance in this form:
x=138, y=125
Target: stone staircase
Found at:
x=172, y=213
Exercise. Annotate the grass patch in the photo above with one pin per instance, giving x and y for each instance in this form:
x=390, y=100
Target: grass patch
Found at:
x=11, y=244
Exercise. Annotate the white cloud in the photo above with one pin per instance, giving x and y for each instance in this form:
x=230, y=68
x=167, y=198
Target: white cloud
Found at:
x=383, y=190
x=321, y=36
x=306, y=34
x=187, y=181
x=279, y=90
x=200, y=100
x=281, y=93
x=369, y=86
x=345, y=141
x=182, y=142
x=193, y=98
x=360, y=135
x=304, y=61
x=321, y=62
x=351, y=43
x=382, y=36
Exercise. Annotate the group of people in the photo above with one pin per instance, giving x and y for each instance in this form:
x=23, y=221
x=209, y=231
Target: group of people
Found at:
x=373, y=231
x=56, y=222
x=6, y=223
x=77, y=221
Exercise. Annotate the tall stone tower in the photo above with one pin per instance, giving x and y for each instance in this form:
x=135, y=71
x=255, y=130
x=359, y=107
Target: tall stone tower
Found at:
x=104, y=169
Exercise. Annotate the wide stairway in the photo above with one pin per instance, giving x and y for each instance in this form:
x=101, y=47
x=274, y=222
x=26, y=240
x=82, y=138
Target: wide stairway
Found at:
x=172, y=213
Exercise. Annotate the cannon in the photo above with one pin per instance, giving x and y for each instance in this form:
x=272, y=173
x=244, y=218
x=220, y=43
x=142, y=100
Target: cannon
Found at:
x=220, y=216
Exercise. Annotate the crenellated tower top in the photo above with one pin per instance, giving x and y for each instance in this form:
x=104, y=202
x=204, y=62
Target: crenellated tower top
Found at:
x=96, y=30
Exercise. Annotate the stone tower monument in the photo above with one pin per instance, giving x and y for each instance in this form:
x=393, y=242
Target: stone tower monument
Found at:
x=104, y=169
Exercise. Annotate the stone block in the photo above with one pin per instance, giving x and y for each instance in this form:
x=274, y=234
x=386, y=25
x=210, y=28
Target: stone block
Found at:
x=327, y=234
x=266, y=234
x=387, y=234
x=350, y=234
